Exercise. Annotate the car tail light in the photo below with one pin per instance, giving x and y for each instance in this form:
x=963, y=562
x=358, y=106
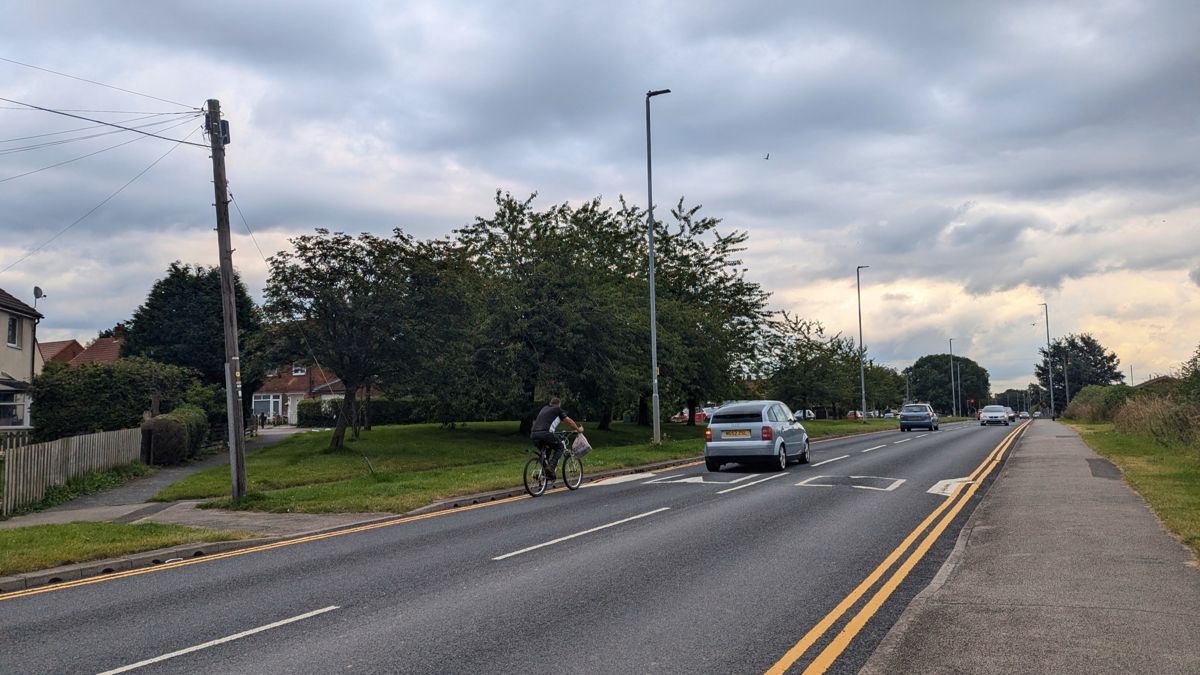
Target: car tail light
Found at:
x=768, y=433
x=707, y=435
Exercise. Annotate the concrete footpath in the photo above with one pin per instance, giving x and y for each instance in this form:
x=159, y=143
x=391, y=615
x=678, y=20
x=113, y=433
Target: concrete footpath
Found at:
x=1062, y=568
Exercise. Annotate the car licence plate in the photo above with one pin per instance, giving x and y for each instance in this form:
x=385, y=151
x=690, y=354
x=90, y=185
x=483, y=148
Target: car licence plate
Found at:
x=736, y=433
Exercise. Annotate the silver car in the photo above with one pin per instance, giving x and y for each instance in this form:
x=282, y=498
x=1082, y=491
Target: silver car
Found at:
x=759, y=431
x=993, y=414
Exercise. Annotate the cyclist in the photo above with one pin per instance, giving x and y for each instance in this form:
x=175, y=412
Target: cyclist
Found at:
x=543, y=435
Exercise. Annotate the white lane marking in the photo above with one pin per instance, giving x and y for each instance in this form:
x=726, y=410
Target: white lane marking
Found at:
x=922, y=436
x=903, y=441
x=213, y=643
x=662, y=478
x=946, y=487
x=778, y=475
x=701, y=481
x=621, y=479
x=808, y=482
x=580, y=534
x=831, y=460
x=893, y=486
x=875, y=448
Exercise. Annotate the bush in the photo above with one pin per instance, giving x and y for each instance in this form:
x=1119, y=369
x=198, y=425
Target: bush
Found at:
x=101, y=396
x=1168, y=420
x=178, y=435
x=1096, y=403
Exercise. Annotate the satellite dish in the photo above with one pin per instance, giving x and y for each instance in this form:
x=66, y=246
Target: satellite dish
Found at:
x=37, y=292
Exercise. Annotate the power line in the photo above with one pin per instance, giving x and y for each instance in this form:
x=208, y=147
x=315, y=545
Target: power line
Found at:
x=90, y=126
x=64, y=141
x=101, y=84
x=92, y=210
x=115, y=112
x=91, y=154
x=88, y=119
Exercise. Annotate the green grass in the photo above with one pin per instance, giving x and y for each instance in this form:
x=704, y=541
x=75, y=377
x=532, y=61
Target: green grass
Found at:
x=416, y=464
x=38, y=547
x=85, y=484
x=1167, y=477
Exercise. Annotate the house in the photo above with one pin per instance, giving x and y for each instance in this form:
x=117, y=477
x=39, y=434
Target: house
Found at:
x=102, y=350
x=281, y=394
x=62, y=351
x=20, y=360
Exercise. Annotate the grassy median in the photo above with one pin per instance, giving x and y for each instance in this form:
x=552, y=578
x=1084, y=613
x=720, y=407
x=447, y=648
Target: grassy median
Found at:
x=400, y=468
x=1167, y=476
x=37, y=547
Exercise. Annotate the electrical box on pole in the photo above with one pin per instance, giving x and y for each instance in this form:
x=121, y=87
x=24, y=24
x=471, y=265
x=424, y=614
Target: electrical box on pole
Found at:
x=218, y=134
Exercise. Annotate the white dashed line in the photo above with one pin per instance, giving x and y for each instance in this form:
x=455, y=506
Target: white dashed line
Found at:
x=903, y=441
x=580, y=534
x=874, y=448
x=922, y=436
x=831, y=460
x=754, y=483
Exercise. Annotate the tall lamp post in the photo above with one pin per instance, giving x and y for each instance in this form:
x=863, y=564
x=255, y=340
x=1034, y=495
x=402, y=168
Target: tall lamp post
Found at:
x=1049, y=363
x=862, y=353
x=650, y=237
x=953, y=389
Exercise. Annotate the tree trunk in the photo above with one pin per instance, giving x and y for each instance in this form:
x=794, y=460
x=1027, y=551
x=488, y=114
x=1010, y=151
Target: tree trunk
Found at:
x=367, y=410
x=643, y=416
x=526, y=425
x=339, y=430
x=355, y=420
x=691, y=404
x=605, y=418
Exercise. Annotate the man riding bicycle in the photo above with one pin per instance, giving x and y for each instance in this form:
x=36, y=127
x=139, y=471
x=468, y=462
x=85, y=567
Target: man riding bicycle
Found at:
x=543, y=435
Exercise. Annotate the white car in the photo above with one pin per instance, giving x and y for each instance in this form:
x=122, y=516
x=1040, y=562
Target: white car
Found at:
x=1012, y=416
x=993, y=414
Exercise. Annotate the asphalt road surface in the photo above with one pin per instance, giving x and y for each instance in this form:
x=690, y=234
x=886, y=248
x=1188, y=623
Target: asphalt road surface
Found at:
x=683, y=571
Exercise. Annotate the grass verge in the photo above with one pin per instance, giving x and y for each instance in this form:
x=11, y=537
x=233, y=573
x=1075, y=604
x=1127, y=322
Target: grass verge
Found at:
x=38, y=547
x=400, y=468
x=1167, y=476
x=86, y=484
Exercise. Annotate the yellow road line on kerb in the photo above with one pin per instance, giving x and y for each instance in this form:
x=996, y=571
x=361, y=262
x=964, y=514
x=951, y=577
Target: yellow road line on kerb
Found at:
x=255, y=549
x=822, y=627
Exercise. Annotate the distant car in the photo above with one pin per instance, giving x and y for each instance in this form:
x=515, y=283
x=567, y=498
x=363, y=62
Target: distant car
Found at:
x=682, y=416
x=918, y=415
x=889, y=415
x=755, y=431
x=1012, y=416
x=1037, y=415
x=854, y=415
x=993, y=414
x=1023, y=415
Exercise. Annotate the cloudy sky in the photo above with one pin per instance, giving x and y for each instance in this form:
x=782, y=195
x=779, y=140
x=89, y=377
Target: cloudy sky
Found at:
x=981, y=157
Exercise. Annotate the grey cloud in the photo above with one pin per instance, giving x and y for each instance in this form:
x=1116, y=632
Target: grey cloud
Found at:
x=1194, y=275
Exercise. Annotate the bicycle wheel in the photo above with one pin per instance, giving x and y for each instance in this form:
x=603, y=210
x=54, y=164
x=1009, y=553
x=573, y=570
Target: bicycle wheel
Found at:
x=572, y=471
x=535, y=477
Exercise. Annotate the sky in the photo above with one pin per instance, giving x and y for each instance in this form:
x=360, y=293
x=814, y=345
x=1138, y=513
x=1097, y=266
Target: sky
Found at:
x=980, y=157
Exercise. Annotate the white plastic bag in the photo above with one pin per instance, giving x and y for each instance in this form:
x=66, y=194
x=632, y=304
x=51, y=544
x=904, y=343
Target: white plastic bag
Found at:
x=580, y=446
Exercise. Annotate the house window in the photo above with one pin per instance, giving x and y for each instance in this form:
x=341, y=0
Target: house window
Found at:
x=271, y=404
x=12, y=409
x=14, y=332
x=299, y=369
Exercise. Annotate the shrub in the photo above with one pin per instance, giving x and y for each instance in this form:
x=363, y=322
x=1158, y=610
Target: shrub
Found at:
x=178, y=435
x=1168, y=420
x=1096, y=403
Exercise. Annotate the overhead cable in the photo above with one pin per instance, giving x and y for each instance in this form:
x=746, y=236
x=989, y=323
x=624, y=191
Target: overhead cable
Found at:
x=101, y=84
x=89, y=119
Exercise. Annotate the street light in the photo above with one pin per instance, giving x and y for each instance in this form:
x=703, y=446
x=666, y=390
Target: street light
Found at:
x=953, y=390
x=862, y=353
x=650, y=237
x=1049, y=363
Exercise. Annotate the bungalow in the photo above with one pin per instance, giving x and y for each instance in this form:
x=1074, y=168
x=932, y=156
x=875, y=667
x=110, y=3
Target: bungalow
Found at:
x=280, y=395
x=62, y=351
x=102, y=350
x=20, y=360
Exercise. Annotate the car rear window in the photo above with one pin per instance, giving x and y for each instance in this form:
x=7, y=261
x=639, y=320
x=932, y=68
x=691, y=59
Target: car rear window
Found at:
x=736, y=417
x=914, y=408
x=994, y=408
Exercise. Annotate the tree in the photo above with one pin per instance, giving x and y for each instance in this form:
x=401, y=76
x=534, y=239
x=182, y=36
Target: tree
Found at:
x=1190, y=377
x=929, y=379
x=344, y=301
x=812, y=370
x=1086, y=362
x=181, y=323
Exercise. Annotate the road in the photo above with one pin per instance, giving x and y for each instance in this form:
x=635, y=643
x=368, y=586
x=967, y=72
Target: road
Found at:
x=681, y=572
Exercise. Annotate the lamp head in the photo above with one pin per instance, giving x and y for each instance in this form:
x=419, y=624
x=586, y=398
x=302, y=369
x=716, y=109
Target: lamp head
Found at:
x=657, y=92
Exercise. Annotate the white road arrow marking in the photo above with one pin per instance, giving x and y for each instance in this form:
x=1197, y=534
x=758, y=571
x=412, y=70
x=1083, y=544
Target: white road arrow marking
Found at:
x=946, y=487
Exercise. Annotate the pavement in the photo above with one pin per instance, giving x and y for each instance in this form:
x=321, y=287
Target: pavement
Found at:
x=1062, y=568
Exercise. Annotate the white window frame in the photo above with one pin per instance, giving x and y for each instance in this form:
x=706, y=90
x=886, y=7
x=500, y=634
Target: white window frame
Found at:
x=299, y=369
x=21, y=403
x=274, y=402
x=14, y=328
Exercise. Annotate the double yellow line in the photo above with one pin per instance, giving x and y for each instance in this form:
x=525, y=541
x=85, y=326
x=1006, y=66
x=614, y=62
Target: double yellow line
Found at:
x=947, y=511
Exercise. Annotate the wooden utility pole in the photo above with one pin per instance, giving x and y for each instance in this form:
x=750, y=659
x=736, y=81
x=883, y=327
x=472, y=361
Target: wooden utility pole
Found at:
x=233, y=371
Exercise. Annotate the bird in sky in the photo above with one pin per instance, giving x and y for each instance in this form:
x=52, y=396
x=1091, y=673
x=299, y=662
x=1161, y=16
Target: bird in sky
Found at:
x=768, y=156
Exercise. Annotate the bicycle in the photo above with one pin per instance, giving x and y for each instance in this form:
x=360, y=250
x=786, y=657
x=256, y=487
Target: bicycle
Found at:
x=537, y=468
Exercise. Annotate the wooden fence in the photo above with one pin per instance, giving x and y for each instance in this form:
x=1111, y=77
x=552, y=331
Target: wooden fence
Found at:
x=13, y=439
x=29, y=470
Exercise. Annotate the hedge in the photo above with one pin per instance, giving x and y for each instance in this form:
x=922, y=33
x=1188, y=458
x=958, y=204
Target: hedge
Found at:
x=177, y=436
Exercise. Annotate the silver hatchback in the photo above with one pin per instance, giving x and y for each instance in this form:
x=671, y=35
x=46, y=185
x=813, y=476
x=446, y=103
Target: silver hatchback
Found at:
x=759, y=431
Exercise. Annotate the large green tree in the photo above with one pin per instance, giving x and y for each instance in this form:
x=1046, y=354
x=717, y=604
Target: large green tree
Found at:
x=1084, y=360
x=929, y=381
x=345, y=302
x=812, y=369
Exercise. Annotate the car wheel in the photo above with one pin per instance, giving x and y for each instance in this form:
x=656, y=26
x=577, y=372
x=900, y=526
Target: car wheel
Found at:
x=781, y=461
x=712, y=465
x=804, y=457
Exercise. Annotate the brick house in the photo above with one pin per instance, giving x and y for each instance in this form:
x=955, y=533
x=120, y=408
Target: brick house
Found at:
x=20, y=360
x=282, y=392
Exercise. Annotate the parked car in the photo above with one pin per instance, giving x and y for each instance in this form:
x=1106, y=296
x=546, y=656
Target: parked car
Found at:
x=755, y=431
x=993, y=414
x=682, y=416
x=806, y=414
x=1012, y=416
x=1037, y=415
x=1023, y=415
x=889, y=415
x=918, y=416
x=854, y=415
